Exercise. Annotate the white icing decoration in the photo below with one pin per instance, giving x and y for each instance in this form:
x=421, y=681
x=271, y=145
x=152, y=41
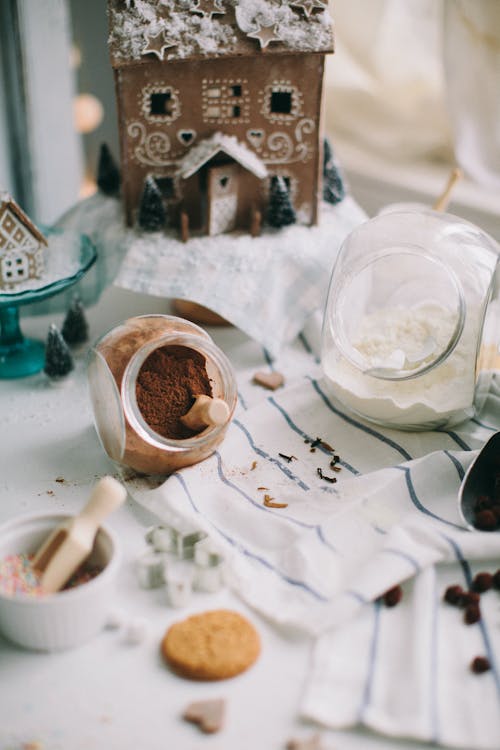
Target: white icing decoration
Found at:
x=152, y=148
x=186, y=136
x=256, y=137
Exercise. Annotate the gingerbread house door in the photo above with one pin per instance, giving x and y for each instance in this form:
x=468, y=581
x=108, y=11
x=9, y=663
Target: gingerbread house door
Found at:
x=222, y=198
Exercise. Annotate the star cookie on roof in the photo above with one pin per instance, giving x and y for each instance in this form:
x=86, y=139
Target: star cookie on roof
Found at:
x=157, y=45
x=308, y=6
x=208, y=8
x=265, y=35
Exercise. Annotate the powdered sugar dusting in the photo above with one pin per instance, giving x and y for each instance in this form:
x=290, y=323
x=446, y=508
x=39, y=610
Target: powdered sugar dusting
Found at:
x=133, y=23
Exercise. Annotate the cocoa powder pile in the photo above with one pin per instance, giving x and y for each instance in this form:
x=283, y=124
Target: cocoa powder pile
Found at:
x=166, y=386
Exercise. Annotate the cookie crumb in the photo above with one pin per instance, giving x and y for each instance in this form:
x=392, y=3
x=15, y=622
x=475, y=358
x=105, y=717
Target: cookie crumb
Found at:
x=269, y=503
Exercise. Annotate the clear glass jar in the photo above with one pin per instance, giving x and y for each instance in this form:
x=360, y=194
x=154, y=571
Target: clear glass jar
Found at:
x=114, y=364
x=411, y=323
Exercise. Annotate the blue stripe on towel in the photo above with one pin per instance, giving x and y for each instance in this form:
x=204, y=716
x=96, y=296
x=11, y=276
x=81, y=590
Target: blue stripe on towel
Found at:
x=409, y=559
x=458, y=440
x=482, y=625
x=416, y=502
x=308, y=348
x=372, y=661
x=458, y=466
x=314, y=526
x=271, y=459
x=485, y=426
x=305, y=436
x=237, y=545
x=358, y=425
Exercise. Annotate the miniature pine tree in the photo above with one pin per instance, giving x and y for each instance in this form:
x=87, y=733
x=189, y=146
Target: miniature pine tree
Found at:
x=280, y=211
x=152, y=214
x=58, y=359
x=108, y=174
x=75, y=328
x=333, y=183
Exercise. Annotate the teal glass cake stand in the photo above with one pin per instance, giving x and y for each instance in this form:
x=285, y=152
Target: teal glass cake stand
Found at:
x=21, y=356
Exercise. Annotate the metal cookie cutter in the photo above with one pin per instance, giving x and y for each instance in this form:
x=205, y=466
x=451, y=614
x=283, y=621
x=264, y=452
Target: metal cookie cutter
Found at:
x=150, y=570
x=209, y=566
x=178, y=583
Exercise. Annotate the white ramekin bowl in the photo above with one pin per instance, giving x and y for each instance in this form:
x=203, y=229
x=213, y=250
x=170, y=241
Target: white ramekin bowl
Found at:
x=65, y=619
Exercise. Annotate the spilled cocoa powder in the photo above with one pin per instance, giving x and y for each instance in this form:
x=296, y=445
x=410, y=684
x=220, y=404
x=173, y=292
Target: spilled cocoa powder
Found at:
x=167, y=384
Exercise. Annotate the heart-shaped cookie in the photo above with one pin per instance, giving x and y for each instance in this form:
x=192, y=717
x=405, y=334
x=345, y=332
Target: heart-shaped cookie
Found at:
x=269, y=380
x=208, y=715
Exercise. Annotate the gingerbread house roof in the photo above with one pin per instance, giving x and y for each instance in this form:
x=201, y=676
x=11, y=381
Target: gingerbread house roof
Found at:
x=198, y=155
x=144, y=30
x=6, y=200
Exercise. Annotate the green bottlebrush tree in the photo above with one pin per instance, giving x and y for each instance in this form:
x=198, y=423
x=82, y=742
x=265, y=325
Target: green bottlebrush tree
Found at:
x=75, y=329
x=333, y=181
x=108, y=174
x=152, y=213
x=280, y=212
x=58, y=359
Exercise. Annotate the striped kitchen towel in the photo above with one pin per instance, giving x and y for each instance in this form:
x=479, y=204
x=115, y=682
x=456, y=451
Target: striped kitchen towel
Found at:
x=320, y=560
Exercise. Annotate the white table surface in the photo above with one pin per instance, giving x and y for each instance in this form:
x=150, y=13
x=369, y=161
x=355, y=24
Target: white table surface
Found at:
x=108, y=694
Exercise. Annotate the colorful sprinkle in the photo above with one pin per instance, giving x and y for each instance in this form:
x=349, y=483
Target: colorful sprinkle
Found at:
x=17, y=576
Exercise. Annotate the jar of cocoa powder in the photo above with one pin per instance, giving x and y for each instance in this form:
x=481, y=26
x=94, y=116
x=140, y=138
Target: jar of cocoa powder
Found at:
x=162, y=392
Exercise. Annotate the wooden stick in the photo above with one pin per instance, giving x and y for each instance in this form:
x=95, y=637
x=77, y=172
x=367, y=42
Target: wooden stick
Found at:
x=256, y=224
x=441, y=204
x=206, y=412
x=184, y=226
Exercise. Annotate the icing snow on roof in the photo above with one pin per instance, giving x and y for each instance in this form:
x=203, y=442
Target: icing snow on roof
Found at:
x=198, y=155
x=202, y=28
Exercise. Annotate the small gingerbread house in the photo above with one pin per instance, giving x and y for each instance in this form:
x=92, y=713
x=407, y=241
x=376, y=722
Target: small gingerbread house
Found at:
x=217, y=97
x=21, y=245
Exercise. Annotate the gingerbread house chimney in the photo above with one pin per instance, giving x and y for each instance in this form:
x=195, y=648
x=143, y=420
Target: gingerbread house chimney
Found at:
x=217, y=97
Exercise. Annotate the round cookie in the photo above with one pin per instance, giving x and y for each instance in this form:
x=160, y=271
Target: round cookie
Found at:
x=213, y=645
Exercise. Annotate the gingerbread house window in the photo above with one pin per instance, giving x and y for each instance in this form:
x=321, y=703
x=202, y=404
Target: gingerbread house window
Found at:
x=281, y=101
x=225, y=101
x=160, y=103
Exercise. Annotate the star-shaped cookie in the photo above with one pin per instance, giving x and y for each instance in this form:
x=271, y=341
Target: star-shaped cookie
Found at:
x=265, y=35
x=157, y=45
x=308, y=6
x=208, y=8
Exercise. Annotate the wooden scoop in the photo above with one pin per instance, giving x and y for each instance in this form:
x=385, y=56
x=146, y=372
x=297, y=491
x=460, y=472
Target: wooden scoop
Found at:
x=206, y=412
x=68, y=546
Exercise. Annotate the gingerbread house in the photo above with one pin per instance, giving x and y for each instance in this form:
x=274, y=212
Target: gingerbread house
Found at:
x=21, y=245
x=217, y=97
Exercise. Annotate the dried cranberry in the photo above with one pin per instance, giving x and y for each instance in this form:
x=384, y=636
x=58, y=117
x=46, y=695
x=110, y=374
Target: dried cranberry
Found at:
x=483, y=502
x=393, y=596
x=485, y=520
x=496, y=579
x=472, y=614
x=480, y=664
x=495, y=509
x=482, y=582
x=470, y=597
x=453, y=594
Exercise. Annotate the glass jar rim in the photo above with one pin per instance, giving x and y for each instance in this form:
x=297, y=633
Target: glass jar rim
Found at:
x=205, y=346
x=348, y=350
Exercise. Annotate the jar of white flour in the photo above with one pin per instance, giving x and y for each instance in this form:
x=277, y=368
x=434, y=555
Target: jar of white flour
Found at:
x=412, y=321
